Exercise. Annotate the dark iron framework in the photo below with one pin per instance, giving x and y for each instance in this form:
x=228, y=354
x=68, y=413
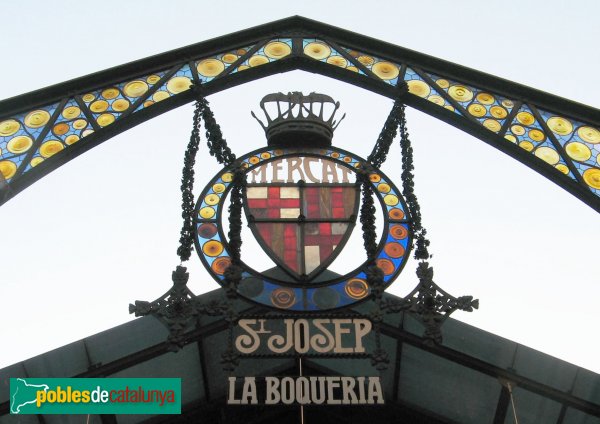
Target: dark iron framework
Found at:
x=42, y=130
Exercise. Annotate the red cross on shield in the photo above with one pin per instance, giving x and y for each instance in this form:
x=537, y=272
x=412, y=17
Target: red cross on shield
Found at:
x=302, y=227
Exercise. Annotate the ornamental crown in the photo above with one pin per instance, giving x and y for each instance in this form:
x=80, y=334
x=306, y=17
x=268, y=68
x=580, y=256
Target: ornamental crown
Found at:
x=301, y=120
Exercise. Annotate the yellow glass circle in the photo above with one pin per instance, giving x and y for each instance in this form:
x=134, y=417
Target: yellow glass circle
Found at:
x=241, y=52
x=71, y=139
x=88, y=97
x=507, y=104
x=578, y=151
x=517, y=129
x=153, y=79
x=374, y=178
x=7, y=169
x=385, y=70
x=498, y=112
x=19, y=144
x=278, y=152
x=419, y=88
x=438, y=100
x=277, y=49
x=160, y=95
x=254, y=160
x=36, y=161
x=229, y=58
x=460, y=93
x=477, y=110
x=560, y=125
x=51, y=147
x=110, y=93
x=178, y=84
x=347, y=159
x=135, y=88
x=99, y=106
x=511, y=138
x=537, y=135
x=591, y=177
x=317, y=50
x=212, y=199
x=443, y=83
x=60, y=129
x=212, y=248
x=335, y=155
x=391, y=200
x=352, y=68
x=257, y=60
x=485, y=98
x=148, y=103
x=9, y=127
x=87, y=132
x=547, y=154
x=37, y=118
x=562, y=168
x=80, y=124
x=525, y=118
x=384, y=188
x=207, y=212
x=337, y=61
x=218, y=188
x=227, y=177
x=105, y=119
x=71, y=112
x=120, y=105
x=589, y=134
x=527, y=145
x=243, y=67
x=492, y=125
x=265, y=155
x=210, y=67
x=449, y=107
x=366, y=60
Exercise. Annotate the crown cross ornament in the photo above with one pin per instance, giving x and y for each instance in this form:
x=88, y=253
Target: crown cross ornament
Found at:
x=301, y=120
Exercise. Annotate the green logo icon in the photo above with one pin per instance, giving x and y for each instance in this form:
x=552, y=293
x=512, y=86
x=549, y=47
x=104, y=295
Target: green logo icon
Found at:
x=95, y=396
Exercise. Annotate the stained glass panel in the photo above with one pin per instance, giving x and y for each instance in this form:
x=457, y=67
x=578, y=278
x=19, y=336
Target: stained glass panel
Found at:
x=19, y=134
x=385, y=70
x=323, y=52
x=272, y=51
x=209, y=68
x=528, y=133
x=581, y=143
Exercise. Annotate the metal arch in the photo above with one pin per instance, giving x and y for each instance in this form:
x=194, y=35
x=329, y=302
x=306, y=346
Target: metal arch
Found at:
x=296, y=31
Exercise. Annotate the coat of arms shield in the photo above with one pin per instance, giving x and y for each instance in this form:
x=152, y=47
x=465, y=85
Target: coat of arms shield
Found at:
x=302, y=226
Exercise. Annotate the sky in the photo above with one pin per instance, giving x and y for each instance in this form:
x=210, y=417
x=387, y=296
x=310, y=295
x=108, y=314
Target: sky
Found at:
x=102, y=231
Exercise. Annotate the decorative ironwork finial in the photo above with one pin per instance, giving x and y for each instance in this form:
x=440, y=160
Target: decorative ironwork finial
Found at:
x=300, y=119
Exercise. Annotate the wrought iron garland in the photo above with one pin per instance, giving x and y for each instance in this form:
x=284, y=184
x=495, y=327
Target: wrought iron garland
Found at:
x=179, y=308
x=408, y=188
x=187, y=186
x=379, y=357
x=430, y=304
